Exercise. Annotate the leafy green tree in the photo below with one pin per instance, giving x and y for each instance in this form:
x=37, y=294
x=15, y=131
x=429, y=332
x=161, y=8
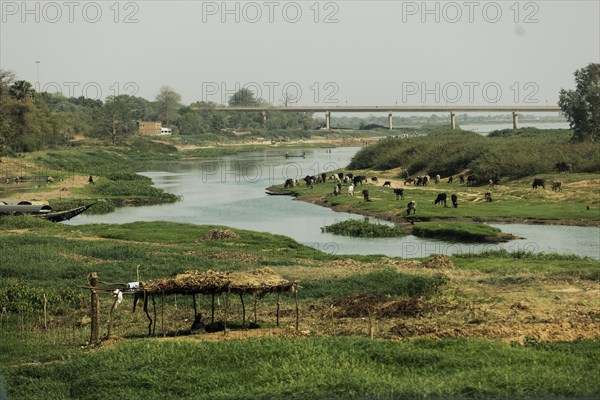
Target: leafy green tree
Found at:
x=582, y=105
x=168, y=102
x=243, y=98
x=7, y=78
x=118, y=117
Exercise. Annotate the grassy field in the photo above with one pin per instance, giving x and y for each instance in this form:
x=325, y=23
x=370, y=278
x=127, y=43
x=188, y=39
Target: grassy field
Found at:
x=315, y=368
x=513, y=201
x=494, y=325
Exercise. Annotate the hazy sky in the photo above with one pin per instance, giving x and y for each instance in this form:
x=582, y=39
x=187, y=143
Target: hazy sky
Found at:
x=321, y=52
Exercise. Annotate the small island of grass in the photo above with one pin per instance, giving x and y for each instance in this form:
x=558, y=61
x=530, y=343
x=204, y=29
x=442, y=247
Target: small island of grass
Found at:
x=461, y=232
x=365, y=228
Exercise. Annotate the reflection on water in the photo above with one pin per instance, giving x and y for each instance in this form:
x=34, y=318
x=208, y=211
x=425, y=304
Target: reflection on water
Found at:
x=230, y=191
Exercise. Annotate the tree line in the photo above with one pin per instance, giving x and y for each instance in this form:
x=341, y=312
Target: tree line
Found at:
x=32, y=120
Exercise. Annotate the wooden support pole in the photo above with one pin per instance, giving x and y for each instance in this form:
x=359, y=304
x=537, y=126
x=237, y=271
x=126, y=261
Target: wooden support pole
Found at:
x=243, y=311
x=255, y=308
x=45, y=312
x=147, y=313
x=110, y=315
x=297, y=308
x=162, y=312
x=95, y=308
x=226, y=311
x=277, y=313
x=154, y=309
x=212, y=310
x=195, y=309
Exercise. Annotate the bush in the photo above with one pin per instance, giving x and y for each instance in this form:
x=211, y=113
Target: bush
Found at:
x=365, y=228
x=507, y=153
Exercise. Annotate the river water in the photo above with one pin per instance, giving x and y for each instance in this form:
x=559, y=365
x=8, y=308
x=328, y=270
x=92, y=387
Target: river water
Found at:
x=230, y=191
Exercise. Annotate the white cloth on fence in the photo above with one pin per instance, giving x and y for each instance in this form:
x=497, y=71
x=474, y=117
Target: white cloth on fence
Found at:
x=119, y=295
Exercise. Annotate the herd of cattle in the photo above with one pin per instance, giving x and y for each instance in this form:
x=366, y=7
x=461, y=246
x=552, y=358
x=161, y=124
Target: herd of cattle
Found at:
x=352, y=181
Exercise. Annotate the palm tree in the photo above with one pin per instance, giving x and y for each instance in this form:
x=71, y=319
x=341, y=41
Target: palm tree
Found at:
x=21, y=90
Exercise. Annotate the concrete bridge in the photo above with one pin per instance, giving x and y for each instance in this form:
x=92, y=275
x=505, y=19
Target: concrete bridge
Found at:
x=452, y=110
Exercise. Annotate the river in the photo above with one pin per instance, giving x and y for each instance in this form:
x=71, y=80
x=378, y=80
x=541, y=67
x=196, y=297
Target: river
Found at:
x=230, y=191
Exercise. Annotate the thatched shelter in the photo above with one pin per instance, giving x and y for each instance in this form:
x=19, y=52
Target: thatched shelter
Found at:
x=257, y=283
x=260, y=282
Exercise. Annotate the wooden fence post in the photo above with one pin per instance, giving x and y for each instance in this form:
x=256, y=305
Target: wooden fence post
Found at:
x=95, y=308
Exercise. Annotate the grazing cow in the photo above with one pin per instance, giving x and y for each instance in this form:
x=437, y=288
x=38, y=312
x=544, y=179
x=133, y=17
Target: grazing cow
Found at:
x=471, y=179
x=323, y=177
x=350, y=175
x=359, y=179
x=418, y=181
x=374, y=179
x=488, y=197
x=399, y=192
x=387, y=183
x=351, y=190
x=557, y=186
x=437, y=178
x=538, y=182
x=450, y=180
x=336, y=190
x=409, y=181
x=289, y=183
x=462, y=178
x=341, y=175
x=411, y=206
x=454, y=201
x=441, y=198
x=425, y=180
x=365, y=194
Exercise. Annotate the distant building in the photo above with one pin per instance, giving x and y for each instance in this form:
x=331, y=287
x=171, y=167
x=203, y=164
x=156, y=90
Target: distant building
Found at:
x=149, y=128
x=153, y=128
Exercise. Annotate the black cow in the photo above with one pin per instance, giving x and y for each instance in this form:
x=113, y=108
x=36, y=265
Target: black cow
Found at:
x=454, y=201
x=365, y=194
x=324, y=177
x=450, y=179
x=359, y=179
x=399, y=192
x=425, y=180
x=441, y=198
x=374, y=179
x=350, y=175
x=462, y=178
x=341, y=175
x=289, y=183
x=411, y=206
x=538, y=182
x=387, y=183
x=471, y=179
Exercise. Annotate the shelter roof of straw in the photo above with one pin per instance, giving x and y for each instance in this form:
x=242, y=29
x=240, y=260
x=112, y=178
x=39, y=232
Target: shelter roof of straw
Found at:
x=260, y=282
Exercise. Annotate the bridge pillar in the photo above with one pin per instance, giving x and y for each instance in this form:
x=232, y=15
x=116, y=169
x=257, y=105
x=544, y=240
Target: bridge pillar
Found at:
x=452, y=120
x=264, y=118
x=390, y=121
x=515, y=120
x=327, y=120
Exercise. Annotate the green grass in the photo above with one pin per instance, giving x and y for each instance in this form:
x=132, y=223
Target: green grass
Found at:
x=315, y=368
x=518, y=201
x=357, y=228
x=456, y=231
